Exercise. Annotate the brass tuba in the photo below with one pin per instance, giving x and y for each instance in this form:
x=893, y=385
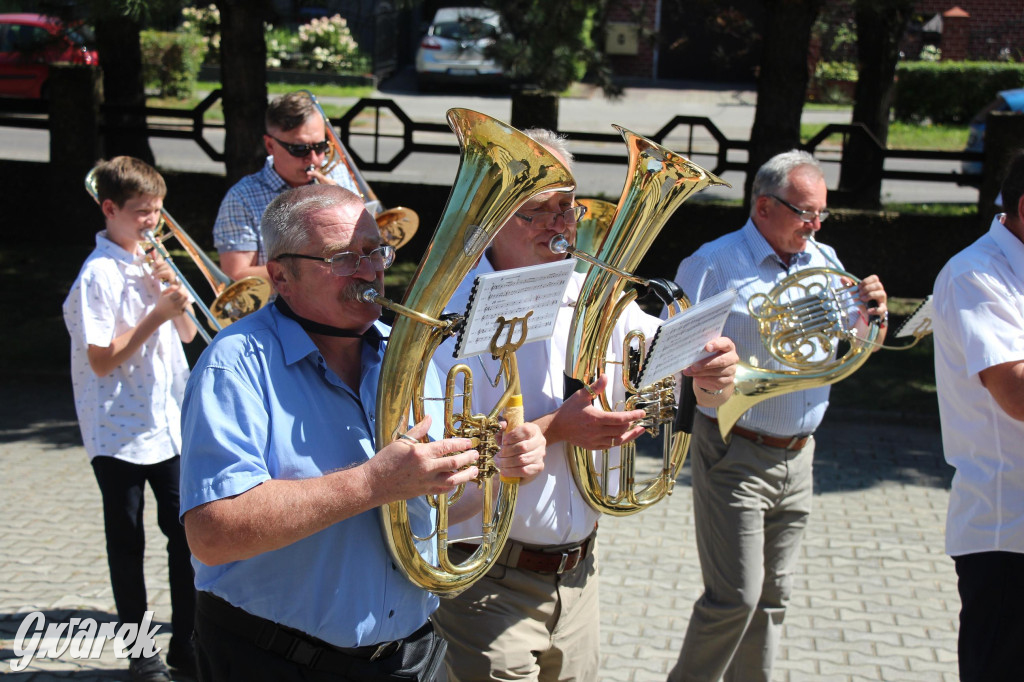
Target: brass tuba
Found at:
x=500, y=169
x=233, y=300
x=658, y=182
x=397, y=225
x=805, y=323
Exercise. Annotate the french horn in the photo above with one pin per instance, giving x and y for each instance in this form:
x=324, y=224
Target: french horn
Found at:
x=658, y=182
x=806, y=323
x=500, y=169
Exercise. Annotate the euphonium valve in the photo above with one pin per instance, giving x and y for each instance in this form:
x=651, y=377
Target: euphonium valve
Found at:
x=500, y=169
x=658, y=182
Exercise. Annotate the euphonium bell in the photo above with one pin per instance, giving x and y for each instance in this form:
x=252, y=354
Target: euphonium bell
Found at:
x=500, y=169
x=658, y=182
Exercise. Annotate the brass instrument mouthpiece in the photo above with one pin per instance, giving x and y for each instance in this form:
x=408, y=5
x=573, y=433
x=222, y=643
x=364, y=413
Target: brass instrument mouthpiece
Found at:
x=369, y=294
x=559, y=244
x=310, y=168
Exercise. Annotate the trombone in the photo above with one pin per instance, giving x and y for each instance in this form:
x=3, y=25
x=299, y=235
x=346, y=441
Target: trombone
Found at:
x=397, y=225
x=234, y=300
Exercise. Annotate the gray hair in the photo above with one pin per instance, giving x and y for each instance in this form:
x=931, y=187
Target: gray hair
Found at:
x=773, y=176
x=554, y=141
x=285, y=223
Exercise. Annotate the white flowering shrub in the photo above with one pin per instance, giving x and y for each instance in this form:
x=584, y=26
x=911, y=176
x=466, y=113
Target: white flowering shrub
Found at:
x=326, y=44
x=204, y=21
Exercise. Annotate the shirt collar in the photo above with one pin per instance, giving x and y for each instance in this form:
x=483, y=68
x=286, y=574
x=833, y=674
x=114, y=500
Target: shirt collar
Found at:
x=271, y=179
x=298, y=345
x=1009, y=245
x=112, y=249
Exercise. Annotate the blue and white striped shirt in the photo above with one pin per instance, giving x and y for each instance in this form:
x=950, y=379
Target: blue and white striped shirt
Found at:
x=238, y=221
x=745, y=261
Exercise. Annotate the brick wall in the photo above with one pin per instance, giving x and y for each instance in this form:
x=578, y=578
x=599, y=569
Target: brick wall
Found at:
x=640, y=65
x=993, y=26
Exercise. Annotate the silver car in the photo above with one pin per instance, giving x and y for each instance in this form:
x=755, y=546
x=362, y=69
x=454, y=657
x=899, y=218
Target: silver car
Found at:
x=452, y=51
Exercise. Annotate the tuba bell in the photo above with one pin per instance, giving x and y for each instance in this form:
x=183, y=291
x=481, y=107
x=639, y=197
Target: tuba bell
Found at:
x=233, y=299
x=500, y=169
x=658, y=182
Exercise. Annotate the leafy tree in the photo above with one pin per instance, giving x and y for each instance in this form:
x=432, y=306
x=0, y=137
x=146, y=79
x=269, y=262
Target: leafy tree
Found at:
x=546, y=47
x=782, y=83
x=880, y=25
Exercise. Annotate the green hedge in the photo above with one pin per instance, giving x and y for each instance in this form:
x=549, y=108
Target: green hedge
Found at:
x=171, y=61
x=950, y=92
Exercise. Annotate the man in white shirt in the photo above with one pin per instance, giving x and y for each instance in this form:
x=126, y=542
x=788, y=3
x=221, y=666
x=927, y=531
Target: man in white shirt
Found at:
x=979, y=374
x=535, y=614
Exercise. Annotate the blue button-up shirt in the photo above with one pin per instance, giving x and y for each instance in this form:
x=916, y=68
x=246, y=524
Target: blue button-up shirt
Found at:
x=262, y=404
x=745, y=261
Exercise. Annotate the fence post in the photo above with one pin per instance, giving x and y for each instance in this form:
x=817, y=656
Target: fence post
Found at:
x=75, y=93
x=1004, y=137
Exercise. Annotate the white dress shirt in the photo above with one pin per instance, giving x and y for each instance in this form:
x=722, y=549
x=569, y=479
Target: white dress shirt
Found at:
x=979, y=323
x=550, y=509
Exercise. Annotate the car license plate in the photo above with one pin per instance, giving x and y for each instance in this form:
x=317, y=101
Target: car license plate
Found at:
x=461, y=71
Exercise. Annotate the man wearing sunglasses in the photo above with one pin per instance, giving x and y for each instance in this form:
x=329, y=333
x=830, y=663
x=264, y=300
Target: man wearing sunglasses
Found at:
x=752, y=496
x=282, y=477
x=535, y=614
x=296, y=143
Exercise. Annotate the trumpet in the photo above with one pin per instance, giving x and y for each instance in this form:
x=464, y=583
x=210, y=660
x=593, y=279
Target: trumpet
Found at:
x=397, y=225
x=233, y=300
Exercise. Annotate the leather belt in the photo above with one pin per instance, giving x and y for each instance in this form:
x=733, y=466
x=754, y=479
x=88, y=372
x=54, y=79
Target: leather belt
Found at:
x=784, y=442
x=555, y=560
x=292, y=645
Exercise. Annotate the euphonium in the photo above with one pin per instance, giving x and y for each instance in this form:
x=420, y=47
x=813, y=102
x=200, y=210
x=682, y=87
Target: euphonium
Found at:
x=500, y=170
x=397, y=225
x=233, y=300
x=803, y=321
x=658, y=182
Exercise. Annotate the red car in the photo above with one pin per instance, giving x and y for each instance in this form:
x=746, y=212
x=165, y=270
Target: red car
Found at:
x=29, y=43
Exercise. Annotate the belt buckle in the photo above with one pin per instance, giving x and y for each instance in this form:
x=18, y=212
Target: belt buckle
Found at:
x=578, y=551
x=386, y=649
x=792, y=441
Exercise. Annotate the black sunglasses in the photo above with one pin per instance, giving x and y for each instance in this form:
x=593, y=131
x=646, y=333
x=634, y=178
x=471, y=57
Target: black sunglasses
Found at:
x=301, y=150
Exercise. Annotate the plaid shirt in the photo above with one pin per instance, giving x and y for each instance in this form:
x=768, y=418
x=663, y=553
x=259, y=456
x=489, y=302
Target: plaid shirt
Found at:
x=238, y=220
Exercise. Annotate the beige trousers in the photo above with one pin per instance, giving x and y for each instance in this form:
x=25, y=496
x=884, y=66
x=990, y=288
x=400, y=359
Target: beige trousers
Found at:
x=515, y=624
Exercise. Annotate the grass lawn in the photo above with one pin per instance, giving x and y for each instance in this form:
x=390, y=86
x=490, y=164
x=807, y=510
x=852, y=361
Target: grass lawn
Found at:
x=216, y=112
x=905, y=136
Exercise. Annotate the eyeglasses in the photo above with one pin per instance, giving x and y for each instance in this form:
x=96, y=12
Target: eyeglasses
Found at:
x=806, y=216
x=569, y=215
x=348, y=262
x=301, y=150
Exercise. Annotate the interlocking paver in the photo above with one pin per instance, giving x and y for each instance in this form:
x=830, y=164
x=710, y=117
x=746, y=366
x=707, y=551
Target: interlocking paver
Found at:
x=875, y=595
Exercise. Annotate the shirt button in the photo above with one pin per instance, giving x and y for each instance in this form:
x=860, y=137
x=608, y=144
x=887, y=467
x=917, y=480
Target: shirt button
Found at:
x=391, y=613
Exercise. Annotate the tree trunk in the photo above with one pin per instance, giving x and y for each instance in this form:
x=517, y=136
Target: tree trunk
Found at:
x=117, y=41
x=782, y=83
x=534, y=109
x=243, y=77
x=880, y=25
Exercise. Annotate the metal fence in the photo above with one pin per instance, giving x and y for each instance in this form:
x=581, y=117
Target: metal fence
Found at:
x=387, y=136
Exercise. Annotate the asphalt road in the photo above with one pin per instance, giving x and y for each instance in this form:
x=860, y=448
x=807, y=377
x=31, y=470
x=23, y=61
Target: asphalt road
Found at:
x=643, y=110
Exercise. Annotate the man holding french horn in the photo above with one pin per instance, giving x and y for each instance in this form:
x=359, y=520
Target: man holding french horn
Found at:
x=752, y=494
x=282, y=479
x=535, y=614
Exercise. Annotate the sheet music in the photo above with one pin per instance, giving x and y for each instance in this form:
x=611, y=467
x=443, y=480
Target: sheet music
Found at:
x=920, y=321
x=679, y=341
x=513, y=294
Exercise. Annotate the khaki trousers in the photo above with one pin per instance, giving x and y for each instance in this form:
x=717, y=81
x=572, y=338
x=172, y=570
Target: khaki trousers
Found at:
x=750, y=506
x=515, y=624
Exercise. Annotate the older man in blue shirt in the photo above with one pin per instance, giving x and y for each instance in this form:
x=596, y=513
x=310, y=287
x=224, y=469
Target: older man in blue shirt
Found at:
x=281, y=477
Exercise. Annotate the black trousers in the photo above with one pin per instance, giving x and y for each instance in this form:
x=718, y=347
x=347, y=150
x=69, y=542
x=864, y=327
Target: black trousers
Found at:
x=991, y=615
x=123, y=485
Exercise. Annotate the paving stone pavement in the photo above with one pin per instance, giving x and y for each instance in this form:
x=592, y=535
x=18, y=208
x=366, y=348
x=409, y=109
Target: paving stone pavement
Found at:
x=875, y=595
